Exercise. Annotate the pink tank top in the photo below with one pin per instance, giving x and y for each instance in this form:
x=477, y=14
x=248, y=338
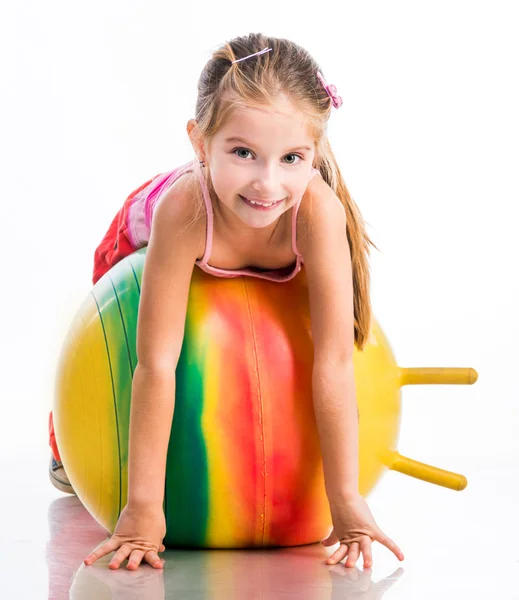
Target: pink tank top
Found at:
x=141, y=213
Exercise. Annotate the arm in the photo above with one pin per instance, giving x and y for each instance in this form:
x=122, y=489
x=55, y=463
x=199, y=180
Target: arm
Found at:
x=328, y=265
x=174, y=244
x=327, y=260
x=172, y=251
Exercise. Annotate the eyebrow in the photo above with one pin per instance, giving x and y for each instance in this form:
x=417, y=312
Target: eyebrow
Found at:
x=241, y=140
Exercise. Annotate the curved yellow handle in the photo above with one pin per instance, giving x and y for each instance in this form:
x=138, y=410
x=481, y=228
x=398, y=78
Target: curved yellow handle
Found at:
x=396, y=462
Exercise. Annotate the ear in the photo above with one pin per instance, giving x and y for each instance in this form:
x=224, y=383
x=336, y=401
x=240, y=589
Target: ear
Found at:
x=196, y=139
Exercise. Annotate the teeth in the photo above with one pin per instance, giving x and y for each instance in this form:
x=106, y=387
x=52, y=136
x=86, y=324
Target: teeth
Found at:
x=260, y=203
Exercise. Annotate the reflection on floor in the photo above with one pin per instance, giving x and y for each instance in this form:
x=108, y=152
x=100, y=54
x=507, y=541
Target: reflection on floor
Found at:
x=456, y=546
x=203, y=574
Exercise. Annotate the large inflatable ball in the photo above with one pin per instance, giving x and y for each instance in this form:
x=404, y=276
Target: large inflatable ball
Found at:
x=244, y=466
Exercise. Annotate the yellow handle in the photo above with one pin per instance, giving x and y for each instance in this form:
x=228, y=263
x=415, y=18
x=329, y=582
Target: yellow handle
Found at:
x=448, y=375
x=396, y=462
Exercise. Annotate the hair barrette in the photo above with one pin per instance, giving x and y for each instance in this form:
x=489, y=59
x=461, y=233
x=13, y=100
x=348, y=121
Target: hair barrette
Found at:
x=331, y=90
x=255, y=54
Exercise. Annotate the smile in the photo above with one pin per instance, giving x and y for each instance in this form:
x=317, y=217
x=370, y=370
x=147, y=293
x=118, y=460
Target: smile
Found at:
x=260, y=205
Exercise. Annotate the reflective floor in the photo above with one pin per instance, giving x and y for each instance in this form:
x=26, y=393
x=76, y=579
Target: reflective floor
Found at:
x=457, y=545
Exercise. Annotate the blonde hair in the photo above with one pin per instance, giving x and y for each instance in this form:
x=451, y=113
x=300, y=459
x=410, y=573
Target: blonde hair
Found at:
x=287, y=69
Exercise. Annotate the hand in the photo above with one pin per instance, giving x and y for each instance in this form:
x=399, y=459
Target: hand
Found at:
x=138, y=534
x=355, y=528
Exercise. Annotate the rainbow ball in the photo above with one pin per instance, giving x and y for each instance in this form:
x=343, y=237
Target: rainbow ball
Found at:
x=244, y=467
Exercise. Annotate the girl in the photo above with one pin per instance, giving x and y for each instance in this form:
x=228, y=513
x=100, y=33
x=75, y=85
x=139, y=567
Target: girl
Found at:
x=263, y=196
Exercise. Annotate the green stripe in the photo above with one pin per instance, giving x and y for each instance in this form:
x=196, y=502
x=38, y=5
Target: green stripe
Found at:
x=187, y=492
x=127, y=292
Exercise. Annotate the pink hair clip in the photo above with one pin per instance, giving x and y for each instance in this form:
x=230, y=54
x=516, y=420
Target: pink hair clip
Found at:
x=331, y=90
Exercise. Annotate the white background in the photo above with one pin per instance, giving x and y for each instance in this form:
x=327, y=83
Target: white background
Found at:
x=95, y=98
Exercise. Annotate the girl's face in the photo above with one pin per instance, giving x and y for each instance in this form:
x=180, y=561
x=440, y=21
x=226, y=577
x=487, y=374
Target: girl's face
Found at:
x=262, y=155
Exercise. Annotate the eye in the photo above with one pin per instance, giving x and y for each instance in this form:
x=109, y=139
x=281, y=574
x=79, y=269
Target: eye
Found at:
x=293, y=162
x=243, y=150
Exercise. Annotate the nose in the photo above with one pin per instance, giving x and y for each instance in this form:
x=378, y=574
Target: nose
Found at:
x=266, y=179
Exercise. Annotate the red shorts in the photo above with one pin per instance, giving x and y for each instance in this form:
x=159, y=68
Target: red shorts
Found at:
x=116, y=243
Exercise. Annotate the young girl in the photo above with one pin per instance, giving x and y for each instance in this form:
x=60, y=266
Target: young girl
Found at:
x=263, y=197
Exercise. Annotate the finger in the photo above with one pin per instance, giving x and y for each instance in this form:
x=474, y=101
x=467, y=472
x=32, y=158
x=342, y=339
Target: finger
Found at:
x=353, y=554
x=389, y=543
x=135, y=559
x=338, y=555
x=162, y=548
x=106, y=548
x=119, y=556
x=152, y=558
x=365, y=546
